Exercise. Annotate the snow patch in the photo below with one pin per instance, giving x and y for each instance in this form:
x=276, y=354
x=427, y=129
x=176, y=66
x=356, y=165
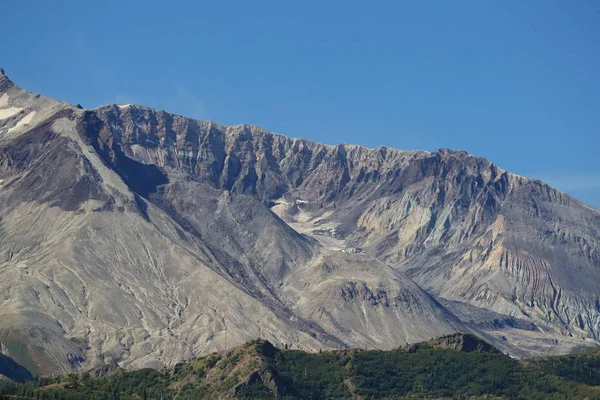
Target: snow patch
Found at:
x=26, y=120
x=6, y=113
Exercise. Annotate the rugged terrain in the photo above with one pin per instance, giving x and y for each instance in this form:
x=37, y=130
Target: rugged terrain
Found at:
x=133, y=236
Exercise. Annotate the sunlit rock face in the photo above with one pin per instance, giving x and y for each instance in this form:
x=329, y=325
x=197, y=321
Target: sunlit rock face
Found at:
x=133, y=236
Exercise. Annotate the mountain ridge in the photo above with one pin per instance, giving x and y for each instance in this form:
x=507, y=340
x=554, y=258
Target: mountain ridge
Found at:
x=259, y=128
x=458, y=365
x=382, y=148
x=136, y=236
x=337, y=155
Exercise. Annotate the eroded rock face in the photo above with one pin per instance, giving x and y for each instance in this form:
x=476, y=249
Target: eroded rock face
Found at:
x=460, y=226
x=135, y=237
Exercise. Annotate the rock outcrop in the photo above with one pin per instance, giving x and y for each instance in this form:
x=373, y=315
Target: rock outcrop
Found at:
x=463, y=342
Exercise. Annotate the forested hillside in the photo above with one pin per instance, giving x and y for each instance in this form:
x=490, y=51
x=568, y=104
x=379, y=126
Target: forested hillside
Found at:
x=457, y=366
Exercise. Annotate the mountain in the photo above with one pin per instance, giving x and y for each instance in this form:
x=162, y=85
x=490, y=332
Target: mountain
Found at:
x=136, y=237
x=258, y=370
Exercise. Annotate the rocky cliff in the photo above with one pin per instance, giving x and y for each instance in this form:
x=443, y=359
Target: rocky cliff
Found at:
x=460, y=226
x=133, y=236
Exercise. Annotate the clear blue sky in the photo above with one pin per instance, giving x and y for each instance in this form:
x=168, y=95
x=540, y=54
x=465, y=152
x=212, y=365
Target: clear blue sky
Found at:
x=517, y=82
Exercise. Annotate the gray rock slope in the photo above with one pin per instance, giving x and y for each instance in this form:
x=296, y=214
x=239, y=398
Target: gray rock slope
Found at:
x=133, y=236
x=461, y=227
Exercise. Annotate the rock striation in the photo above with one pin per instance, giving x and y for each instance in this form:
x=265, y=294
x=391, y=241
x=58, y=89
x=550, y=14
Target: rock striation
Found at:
x=134, y=237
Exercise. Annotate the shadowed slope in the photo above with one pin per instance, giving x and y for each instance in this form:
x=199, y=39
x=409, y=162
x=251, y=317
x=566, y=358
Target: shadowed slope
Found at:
x=111, y=259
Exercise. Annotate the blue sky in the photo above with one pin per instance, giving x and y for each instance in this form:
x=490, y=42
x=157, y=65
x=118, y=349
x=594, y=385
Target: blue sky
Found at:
x=517, y=82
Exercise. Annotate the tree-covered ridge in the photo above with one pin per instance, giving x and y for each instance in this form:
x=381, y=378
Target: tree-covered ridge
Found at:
x=582, y=367
x=456, y=366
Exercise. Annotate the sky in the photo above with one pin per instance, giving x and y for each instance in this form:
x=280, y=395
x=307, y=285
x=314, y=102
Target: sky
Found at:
x=517, y=82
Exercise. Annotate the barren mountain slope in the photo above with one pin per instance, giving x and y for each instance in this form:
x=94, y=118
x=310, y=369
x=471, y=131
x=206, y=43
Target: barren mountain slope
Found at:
x=107, y=258
x=460, y=226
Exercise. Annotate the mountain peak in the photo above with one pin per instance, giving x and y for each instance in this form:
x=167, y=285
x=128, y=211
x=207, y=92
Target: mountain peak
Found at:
x=172, y=230
x=5, y=82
